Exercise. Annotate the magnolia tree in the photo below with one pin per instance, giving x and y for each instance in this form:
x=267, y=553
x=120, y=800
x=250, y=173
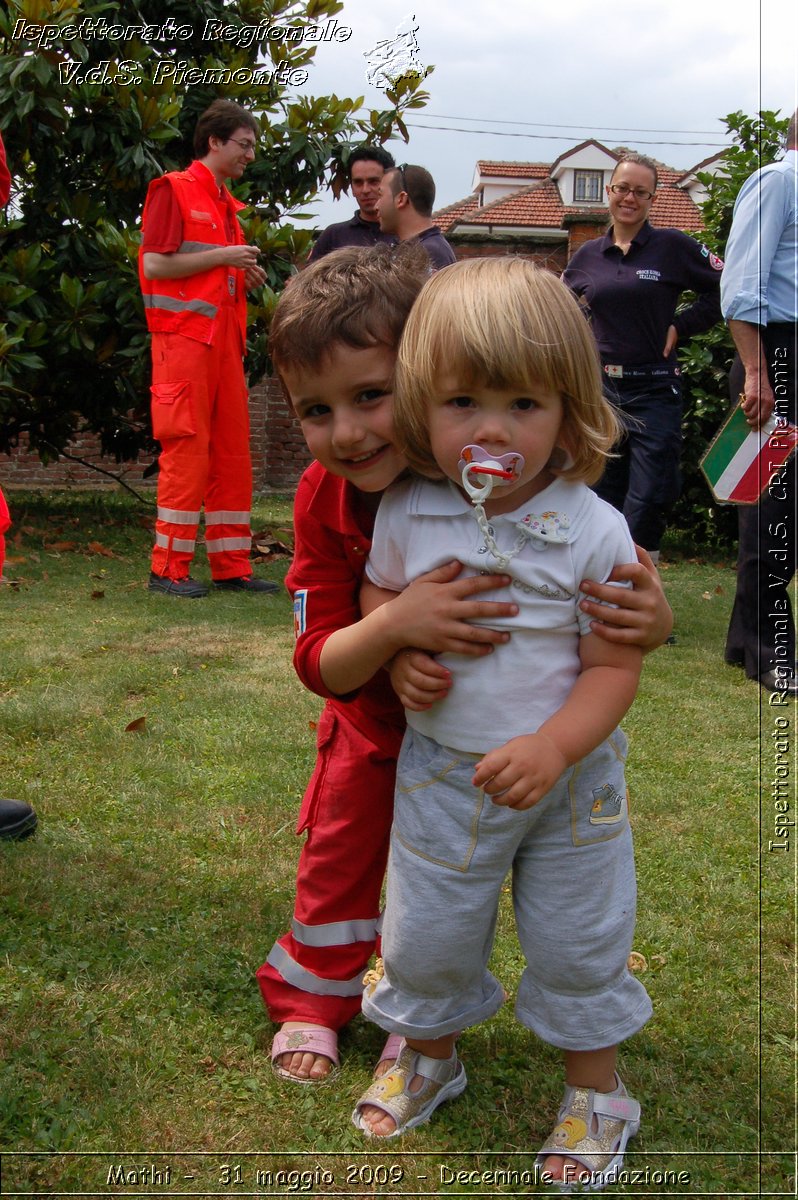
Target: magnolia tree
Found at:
x=92, y=107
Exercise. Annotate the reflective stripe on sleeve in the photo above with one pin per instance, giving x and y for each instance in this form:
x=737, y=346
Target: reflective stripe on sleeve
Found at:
x=335, y=933
x=192, y=247
x=306, y=981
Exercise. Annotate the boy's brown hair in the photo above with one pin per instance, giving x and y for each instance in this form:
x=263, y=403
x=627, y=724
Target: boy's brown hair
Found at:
x=358, y=296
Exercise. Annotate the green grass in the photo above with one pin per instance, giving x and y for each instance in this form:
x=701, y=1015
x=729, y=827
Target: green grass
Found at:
x=163, y=870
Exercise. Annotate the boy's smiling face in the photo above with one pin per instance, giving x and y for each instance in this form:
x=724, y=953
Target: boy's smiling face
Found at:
x=345, y=408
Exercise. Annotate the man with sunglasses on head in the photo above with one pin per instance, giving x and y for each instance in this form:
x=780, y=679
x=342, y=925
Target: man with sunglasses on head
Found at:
x=630, y=281
x=195, y=268
x=407, y=195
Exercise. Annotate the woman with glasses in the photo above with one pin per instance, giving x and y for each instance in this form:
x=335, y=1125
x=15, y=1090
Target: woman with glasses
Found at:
x=630, y=281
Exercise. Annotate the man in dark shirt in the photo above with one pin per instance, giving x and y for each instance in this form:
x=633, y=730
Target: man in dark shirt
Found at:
x=407, y=194
x=367, y=166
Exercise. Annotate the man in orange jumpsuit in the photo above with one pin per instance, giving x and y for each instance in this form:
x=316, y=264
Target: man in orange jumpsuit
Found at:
x=194, y=268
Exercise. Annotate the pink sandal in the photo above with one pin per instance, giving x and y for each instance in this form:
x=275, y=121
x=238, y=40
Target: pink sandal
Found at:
x=309, y=1041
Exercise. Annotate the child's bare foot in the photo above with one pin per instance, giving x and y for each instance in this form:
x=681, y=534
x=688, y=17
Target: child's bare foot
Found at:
x=305, y=1052
x=565, y=1170
x=407, y=1096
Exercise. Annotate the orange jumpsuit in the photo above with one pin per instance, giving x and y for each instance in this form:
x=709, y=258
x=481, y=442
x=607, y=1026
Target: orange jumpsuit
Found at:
x=200, y=412
x=5, y=523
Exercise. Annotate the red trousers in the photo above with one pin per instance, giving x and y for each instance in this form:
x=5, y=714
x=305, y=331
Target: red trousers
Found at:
x=200, y=416
x=5, y=523
x=315, y=971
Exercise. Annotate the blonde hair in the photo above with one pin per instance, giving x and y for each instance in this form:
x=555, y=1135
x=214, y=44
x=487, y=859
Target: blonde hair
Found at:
x=507, y=323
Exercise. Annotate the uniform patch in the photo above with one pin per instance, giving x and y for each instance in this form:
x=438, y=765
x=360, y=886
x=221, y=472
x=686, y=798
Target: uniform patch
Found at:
x=715, y=262
x=300, y=611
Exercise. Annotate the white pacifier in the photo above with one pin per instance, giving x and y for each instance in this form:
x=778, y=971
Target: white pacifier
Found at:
x=481, y=471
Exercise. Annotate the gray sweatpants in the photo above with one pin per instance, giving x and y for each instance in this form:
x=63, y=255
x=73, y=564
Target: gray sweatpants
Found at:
x=574, y=896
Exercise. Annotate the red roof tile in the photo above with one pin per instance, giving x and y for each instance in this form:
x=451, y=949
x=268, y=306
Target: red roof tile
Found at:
x=446, y=218
x=513, y=170
x=539, y=206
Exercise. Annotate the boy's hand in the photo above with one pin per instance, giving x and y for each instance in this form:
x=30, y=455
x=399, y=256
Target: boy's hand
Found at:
x=418, y=680
x=521, y=772
x=436, y=610
x=643, y=616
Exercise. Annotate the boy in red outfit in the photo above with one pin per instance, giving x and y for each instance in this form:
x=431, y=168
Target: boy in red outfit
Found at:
x=333, y=340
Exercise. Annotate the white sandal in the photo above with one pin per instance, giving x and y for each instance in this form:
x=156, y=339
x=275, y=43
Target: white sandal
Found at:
x=443, y=1079
x=592, y=1129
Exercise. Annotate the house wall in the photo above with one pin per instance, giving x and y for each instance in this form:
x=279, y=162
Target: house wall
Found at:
x=497, y=189
x=583, y=227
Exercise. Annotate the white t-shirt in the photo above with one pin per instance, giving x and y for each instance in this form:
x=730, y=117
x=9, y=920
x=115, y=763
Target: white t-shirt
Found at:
x=570, y=535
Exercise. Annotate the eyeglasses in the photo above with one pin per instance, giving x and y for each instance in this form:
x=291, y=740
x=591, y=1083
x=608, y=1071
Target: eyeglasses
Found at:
x=623, y=189
x=248, y=146
x=401, y=169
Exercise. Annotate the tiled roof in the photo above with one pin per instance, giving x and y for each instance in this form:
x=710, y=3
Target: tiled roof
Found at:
x=539, y=206
x=673, y=208
x=717, y=157
x=445, y=218
x=513, y=170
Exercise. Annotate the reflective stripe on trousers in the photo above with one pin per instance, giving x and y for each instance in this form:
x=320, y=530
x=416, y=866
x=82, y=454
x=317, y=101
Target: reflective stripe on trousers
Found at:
x=212, y=465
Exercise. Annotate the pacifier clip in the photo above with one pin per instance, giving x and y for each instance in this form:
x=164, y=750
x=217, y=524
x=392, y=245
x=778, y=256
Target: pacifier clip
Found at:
x=493, y=471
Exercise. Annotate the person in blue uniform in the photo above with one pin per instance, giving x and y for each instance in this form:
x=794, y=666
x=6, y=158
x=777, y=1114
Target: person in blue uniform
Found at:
x=630, y=281
x=760, y=301
x=367, y=165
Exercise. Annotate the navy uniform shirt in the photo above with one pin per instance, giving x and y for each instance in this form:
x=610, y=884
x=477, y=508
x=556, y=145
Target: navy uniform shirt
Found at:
x=439, y=251
x=356, y=232
x=631, y=298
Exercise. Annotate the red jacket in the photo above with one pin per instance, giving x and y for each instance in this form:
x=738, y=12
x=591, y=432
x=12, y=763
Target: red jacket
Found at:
x=5, y=523
x=5, y=177
x=190, y=305
x=332, y=530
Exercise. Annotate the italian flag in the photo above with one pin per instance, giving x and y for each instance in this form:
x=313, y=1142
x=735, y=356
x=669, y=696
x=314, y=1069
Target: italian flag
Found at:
x=741, y=461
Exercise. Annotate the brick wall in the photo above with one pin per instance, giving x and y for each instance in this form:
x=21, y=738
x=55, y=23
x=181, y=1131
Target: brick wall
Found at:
x=583, y=227
x=284, y=454
x=473, y=244
x=279, y=454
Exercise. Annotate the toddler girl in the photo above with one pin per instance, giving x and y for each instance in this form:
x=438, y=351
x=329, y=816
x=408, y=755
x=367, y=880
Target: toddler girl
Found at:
x=499, y=409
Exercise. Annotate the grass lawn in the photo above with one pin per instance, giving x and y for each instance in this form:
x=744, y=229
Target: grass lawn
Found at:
x=133, y=1042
